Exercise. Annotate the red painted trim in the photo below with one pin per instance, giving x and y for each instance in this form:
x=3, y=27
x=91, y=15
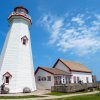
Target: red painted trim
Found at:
x=7, y=73
x=68, y=67
x=43, y=69
x=55, y=63
x=80, y=71
x=36, y=70
x=21, y=16
x=24, y=37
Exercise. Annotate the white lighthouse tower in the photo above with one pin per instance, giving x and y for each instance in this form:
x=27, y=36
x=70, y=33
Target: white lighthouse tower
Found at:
x=16, y=63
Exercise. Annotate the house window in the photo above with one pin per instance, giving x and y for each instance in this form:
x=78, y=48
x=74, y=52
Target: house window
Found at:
x=39, y=78
x=43, y=78
x=87, y=80
x=7, y=79
x=74, y=79
x=77, y=79
x=55, y=80
x=69, y=80
x=48, y=78
x=63, y=81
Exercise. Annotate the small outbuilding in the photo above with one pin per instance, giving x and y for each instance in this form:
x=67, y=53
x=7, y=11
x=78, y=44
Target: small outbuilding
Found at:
x=63, y=72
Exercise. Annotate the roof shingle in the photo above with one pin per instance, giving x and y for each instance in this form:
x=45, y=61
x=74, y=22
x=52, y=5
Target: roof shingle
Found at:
x=75, y=66
x=55, y=71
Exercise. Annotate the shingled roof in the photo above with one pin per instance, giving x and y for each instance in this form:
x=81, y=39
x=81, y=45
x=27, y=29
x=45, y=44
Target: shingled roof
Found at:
x=54, y=71
x=74, y=66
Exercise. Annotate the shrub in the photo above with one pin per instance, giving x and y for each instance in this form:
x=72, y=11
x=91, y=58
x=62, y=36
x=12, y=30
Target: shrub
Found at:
x=98, y=94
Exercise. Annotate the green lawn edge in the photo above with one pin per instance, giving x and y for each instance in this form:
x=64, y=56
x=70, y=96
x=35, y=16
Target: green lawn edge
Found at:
x=19, y=97
x=64, y=93
x=81, y=97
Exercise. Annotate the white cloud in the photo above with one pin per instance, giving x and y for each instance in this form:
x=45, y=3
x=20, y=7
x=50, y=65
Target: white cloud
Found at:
x=78, y=19
x=80, y=34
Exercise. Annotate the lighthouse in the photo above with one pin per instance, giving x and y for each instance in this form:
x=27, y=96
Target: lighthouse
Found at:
x=16, y=61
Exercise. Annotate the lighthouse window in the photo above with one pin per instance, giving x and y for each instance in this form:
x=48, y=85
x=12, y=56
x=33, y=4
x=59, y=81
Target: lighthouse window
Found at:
x=6, y=79
x=24, y=40
x=20, y=10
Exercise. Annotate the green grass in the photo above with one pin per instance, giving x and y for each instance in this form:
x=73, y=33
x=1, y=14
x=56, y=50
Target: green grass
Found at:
x=84, y=97
x=57, y=93
x=62, y=93
x=98, y=89
x=18, y=97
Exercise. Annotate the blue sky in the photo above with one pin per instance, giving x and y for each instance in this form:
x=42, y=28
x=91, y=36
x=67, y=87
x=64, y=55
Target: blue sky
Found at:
x=67, y=29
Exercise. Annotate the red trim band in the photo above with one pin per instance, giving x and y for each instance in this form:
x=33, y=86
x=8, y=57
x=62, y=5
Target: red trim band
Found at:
x=21, y=16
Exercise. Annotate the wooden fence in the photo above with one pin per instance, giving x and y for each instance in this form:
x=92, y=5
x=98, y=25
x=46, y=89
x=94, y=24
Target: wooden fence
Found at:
x=74, y=87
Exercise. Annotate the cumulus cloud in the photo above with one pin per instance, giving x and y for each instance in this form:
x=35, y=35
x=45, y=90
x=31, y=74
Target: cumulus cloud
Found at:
x=79, y=34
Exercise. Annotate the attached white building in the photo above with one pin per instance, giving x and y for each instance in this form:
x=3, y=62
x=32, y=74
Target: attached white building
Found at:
x=63, y=72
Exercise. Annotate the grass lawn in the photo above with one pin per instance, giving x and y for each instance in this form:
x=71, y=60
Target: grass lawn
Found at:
x=56, y=93
x=61, y=93
x=85, y=97
x=98, y=89
x=18, y=97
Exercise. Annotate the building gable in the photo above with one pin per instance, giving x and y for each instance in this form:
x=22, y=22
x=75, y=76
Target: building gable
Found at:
x=70, y=66
x=41, y=69
x=60, y=65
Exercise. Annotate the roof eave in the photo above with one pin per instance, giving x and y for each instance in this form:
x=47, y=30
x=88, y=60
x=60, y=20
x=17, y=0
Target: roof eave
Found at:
x=43, y=69
x=81, y=71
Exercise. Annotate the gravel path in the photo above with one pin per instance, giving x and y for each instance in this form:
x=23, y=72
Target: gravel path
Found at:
x=37, y=92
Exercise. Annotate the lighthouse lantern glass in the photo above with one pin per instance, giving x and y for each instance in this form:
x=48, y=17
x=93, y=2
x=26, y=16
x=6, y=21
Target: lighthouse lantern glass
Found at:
x=20, y=11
